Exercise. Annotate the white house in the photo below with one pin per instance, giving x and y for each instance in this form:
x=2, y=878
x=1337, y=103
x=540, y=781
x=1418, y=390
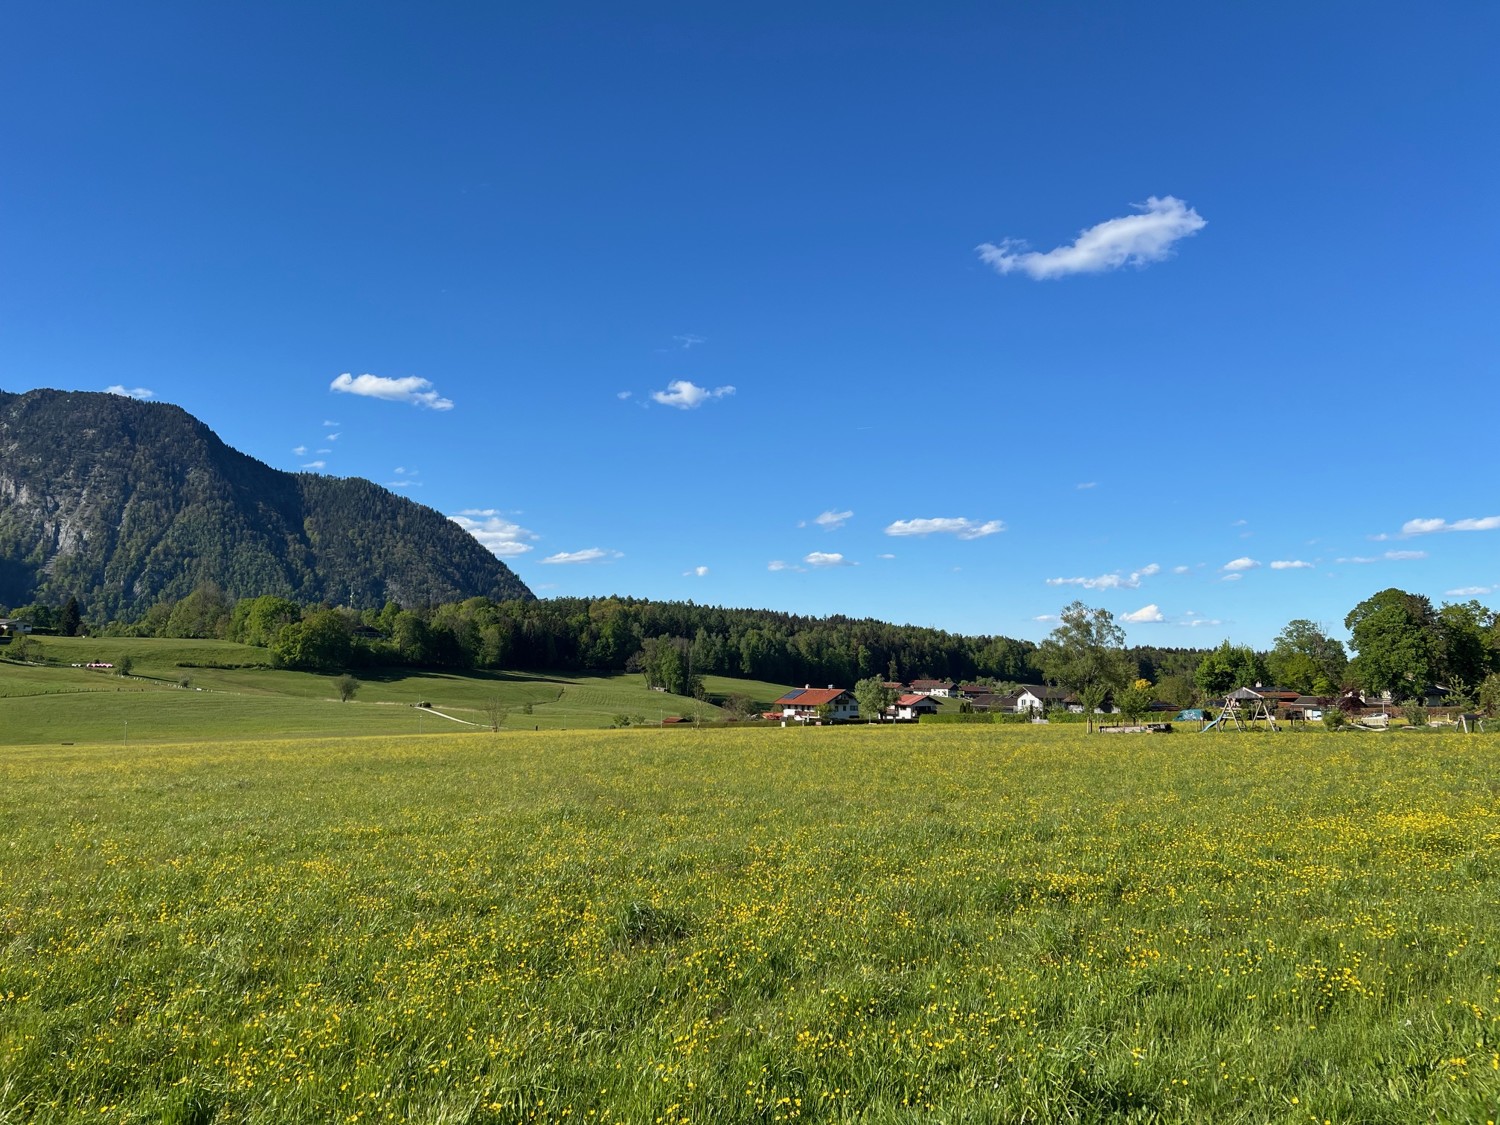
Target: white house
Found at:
x=940, y=688
x=908, y=708
x=802, y=705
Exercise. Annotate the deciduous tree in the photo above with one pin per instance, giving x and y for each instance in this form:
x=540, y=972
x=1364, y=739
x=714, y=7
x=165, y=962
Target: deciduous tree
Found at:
x=1087, y=648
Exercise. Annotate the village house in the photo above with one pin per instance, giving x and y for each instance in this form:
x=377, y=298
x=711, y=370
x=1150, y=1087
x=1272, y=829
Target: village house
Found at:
x=940, y=688
x=908, y=708
x=816, y=706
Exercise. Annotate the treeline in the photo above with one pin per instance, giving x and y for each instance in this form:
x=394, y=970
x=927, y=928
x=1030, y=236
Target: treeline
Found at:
x=671, y=643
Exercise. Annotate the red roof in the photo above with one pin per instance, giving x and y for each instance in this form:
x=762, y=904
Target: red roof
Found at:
x=810, y=697
x=908, y=700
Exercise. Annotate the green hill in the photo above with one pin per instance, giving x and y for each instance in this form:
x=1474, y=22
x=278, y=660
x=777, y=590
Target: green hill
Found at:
x=205, y=690
x=121, y=503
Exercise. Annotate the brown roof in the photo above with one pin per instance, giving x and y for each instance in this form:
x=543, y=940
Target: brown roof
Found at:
x=933, y=684
x=810, y=697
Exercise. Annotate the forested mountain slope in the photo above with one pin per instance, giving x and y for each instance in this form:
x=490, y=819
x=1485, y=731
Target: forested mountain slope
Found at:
x=120, y=503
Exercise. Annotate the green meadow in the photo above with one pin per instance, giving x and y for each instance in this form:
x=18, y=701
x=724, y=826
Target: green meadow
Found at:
x=229, y=693
x=753, y=925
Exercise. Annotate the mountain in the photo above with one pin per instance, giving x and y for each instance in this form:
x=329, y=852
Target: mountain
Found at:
x=121, y=503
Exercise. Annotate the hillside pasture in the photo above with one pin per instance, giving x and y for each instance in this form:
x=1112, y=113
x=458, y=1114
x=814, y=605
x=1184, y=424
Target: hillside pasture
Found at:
x=851, y=924
x=230, y=694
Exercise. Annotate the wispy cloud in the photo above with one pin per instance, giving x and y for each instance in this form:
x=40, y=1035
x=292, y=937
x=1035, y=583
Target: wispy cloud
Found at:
x=330, y=423
x=830, y=520
x=1087, y=484
x=688, y=396
x=496, y=533
x=1144, y=615
x=1128, y=240
x=315, y=465
x=1387, y=556
x=778, y=564
x=1469, y=591
x=1291, y=564
x=623, y=395
x=1181, y=569
x=1045, y=617
x=142, y=393
x=944, y=525
x=587, y=555
x=1234, y=576
x=1198, y=622
x=696, y=572
x=1428, y=527
x=1240, y=564
x=826, y=558
x=410, y=388
x=687, y=341
x=300, y=451
x=1117, y=580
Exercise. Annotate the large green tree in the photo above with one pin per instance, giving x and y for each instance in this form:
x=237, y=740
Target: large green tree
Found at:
x=1228, y=667
x=873, y=697
x=1306, y=659
x=1461, y=633
x=1087, y=648
x=1393, y=634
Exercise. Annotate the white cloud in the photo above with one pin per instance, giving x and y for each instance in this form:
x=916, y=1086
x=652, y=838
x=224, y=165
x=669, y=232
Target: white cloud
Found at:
x=1118, y=580
x=1128, y=240
x=1045, y=617
x=1427, y=527
x=587, y=555
x=1291, y=564
x=1235, y=577
x=328, y=422
x=496, y=533
x=316, y=465
x=1088, y=484
x=946, y=525
x=410, y=389
x=1197, y=621
x=1181, y=569
x=1388, y=556
x=1469, y=591
x=403, y=484
x=688, y=340
x=1145, y=614
x=300, y=451
x=623, y=395
x=826, y=558
x=885, y=556
x=332, y=437
x=1240, y=564
x=686, y=396
x=1399, y=556
x=696, y=572
x=142, y=393
x=830, y=521
x=777, y=564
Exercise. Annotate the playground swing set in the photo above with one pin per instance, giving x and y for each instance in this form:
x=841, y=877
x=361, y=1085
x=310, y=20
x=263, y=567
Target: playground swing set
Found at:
x=1244, y=708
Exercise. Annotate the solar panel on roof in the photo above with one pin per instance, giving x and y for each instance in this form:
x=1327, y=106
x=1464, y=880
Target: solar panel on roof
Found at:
x=795, y=693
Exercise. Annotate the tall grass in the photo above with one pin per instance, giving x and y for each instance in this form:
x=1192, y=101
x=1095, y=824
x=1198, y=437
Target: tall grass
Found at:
x=833, y=925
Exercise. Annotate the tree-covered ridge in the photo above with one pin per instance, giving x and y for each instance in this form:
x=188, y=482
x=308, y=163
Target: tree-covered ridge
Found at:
x=122, y=504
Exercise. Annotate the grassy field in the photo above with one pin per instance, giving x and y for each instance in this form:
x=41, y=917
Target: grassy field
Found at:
x=854, y=924
x=56, y=703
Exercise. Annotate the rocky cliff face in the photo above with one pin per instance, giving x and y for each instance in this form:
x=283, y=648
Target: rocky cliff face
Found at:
x=122, y=503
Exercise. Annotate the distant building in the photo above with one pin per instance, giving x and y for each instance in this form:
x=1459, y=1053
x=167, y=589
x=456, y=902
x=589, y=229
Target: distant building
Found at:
x=817, y=706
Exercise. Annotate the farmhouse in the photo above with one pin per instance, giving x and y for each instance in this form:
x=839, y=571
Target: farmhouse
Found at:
x=908, y=708
x=816, y=706
x=12, y=627
x=1034, y=697
x=940, y=688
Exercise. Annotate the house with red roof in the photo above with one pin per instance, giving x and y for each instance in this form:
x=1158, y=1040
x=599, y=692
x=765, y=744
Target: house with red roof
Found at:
x=908, y=708
x=817, y=706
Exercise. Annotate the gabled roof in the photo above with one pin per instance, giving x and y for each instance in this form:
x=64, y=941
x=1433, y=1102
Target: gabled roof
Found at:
x=911, y=700
x=810, y=697
x=933, y=684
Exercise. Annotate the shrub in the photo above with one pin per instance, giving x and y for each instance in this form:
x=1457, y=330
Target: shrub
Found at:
x=1334, y=719
x=1415, y=713
x=346, y=685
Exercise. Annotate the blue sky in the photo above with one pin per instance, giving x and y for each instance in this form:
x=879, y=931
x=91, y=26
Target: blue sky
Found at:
x=942, y=316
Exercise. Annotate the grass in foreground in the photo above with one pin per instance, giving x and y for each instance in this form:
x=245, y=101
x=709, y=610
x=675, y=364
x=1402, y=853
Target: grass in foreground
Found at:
x=834, y=925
